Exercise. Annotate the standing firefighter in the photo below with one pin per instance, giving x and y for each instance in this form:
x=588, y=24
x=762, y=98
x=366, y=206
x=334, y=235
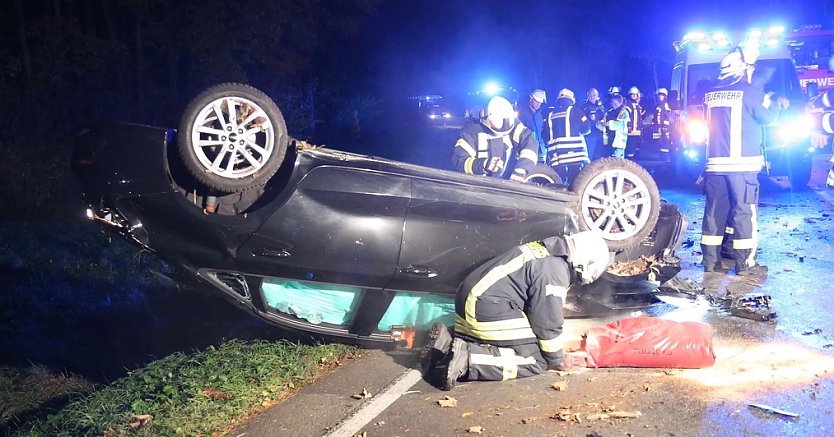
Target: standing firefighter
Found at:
x=736, y=112
x=661, y=118
x=498, y=146
x=531, y=117
x=634, y=131
x=596, y=139
x=564, y=133
x=508, y=321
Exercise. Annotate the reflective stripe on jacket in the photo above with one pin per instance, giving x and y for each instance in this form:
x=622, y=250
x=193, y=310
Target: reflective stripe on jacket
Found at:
x=515, y=298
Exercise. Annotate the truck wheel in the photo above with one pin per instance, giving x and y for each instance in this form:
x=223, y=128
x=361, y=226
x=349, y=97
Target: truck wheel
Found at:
x=618, y=198
x=232, y=137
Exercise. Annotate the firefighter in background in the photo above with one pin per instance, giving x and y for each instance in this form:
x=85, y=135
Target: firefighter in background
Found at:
x=636, y=113
x=509, y=312
x=612, y=91
x=564, y=132
x=616, y=121
x=531, y=117
x=662, y=118
x=597, y=138
x=735, y=111
x=499, y=146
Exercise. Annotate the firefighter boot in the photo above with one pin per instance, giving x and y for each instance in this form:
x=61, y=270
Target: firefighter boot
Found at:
x=457, y=363
x=440, y=340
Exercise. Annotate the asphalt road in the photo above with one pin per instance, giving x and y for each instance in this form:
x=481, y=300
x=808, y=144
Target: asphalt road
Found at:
x=787, y=363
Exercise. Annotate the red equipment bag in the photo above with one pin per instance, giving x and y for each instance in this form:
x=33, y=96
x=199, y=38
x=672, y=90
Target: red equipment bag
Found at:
x=650, y=342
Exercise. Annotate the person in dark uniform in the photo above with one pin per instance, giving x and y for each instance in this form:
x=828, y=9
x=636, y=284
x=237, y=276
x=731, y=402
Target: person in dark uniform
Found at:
x=595, y=141
x=499, y=146
x=508, y=321
x=735, y=112
x=564, y=132
x=531, y=117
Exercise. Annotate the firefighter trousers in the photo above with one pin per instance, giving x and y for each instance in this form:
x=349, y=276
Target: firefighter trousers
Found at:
x=497, y=363
x=731, y=198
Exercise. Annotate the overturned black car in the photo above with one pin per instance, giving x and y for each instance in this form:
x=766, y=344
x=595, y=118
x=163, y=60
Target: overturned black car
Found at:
x=341, y=245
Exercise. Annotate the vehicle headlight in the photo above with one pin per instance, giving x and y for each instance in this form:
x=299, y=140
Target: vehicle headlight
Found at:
x=793, y=130
x=447, y=115
x=698, y=131
x=432, y=116
x=691, y=154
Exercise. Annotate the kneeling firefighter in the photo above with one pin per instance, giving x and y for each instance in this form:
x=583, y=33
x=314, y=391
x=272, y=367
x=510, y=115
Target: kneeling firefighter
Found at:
x=508, y=321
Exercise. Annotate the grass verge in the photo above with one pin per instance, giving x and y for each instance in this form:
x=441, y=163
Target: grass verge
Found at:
x=202, y=393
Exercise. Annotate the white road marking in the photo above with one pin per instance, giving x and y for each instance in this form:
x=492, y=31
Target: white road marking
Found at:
x=352, y=425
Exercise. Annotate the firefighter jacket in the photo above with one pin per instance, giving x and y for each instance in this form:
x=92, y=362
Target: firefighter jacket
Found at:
x=635, y=113
x=617, y=121
x=595, y=113
x=661, y=120
x=516, y=298
x=533, y=120
x=735, y=115
x=564, y=133
x=478, y=144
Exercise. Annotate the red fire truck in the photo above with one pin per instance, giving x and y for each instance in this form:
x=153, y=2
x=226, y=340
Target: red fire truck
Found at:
x=811, y=48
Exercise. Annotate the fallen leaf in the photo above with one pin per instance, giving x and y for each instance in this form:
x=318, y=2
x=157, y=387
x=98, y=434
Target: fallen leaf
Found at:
x=363, y=395
x=448, y=402
x=213, y=393
x=559, y=385
x=475, y=430
x=139, y=421
x=625, y=414
x=467, y=414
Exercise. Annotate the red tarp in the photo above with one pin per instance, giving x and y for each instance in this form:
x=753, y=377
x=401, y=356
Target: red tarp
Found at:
x=650, y=342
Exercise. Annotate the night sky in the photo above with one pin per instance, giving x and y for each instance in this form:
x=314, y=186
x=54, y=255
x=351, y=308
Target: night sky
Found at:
x=446, y=46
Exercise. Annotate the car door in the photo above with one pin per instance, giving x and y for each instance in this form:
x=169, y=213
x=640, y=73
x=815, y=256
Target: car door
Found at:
x=451, y=228
x=341, y=225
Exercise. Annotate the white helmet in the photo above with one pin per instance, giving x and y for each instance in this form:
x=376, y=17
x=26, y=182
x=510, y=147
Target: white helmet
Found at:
x=663, y=91
x=736, y=63
x=567, y=94
x=500, y=115
x=539, y=96
x=588, y=254
x=634, y=90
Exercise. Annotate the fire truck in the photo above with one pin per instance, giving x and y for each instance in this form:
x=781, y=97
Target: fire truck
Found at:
x=787, y=147
x=811, y=47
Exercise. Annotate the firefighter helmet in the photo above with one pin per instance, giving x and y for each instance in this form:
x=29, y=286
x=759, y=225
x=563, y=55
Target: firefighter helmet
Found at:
x=736, y=63
x=614, y=90
x=500, y=115
x=539, y=96
x=634, y=90
x=588, y=254
x=567, y=94
x=663, y=91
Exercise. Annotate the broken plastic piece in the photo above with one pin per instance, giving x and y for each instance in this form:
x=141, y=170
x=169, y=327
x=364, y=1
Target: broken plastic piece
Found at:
x=774, y=410
x=754, y=306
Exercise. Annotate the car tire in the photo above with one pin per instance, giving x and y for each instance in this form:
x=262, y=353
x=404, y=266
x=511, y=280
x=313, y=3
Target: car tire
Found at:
x=618, y=198
x=232, y=137
x=543, y=175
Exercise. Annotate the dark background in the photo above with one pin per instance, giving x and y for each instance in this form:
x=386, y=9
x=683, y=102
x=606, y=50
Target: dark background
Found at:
x=340, y=70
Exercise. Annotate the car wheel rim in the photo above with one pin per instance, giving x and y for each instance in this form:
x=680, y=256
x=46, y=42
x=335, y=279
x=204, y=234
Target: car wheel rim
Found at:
x=617, y=203
x=539, y=179
x=233, y=137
